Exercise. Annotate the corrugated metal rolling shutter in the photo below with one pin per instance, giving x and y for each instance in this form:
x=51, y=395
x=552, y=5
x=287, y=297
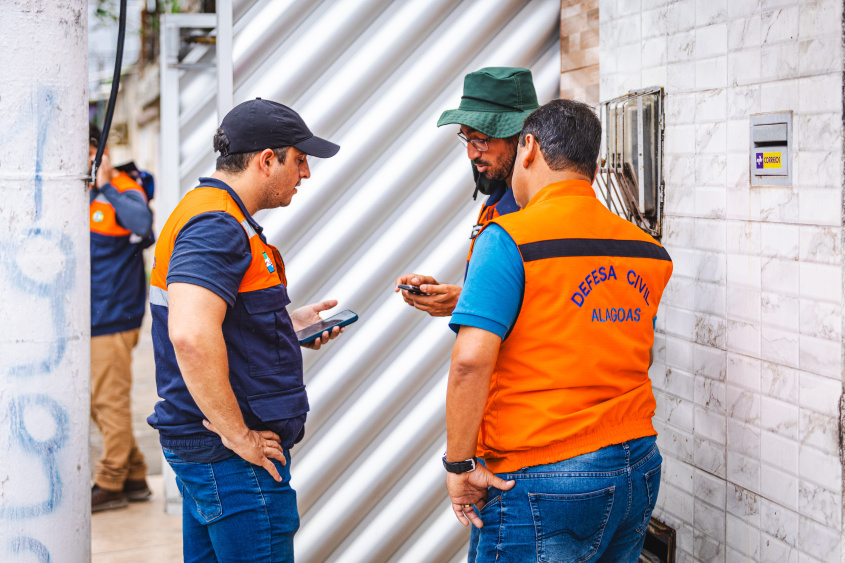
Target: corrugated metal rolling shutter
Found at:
x=373, y=76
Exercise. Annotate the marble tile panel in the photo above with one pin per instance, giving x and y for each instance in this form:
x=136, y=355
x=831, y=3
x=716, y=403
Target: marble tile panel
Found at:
x=679, y=354
x=680, y=46
x=780, y=276
x=679, y=139
x=819, y=431
x=679, y=232
x=744, y=372
x=744, y=470
x=654, y=52
x=707, y=548
x=738, y=176
x=779, y=382
x=710, y=170
x=820, y=54
x=779, y=25
x=773, y=550
x=744, y=33
x=680, y=173
x=779, y=486
x=819, y=18
x=743, y=337
x=738, y=556
x=781, y=95
x=710, y=456
x=820, y=244
x=779, y=417
x=711, y=202
x=820, y=394
x=679, y=293
x=654, y=75
x=711, y=138
x=678, y=412
x=743, y=504
x=710, y=330
x=822, y=282
x=744, y=438
x=655, y=21
x=711, y=40
x=820, y=94
x=779, y=522
x=679, y=200
x=779, y=311
x=821, y=207
x=678, y=383
x=711, y=73
x=711, y=106
x=739, y=132
x=778, y=451
x=710, y=489
x=676, y=443
x=819, y=541
x=743, y=271
x=779, y=62
x=821, y=468
x=678, y=503
x=743, y=538
x=817, y=169
x=820, y=319
x=709, y=12
x=680, y=323
x=710, y=363
x=744, y=67
x=710, y=425
x=680, y=16
x=775, y=204
x=710, y=394
x=710, y=267
x=742, y=8
x=683, y=261
x=779, y=240
x=743, y=237
x=680, y=108
x=820, y=504
x=677, y=473
x=779, y=346
x=743, y=101
x=817, y=132
x=709, y=520
x=680, y=77
x=743, y=405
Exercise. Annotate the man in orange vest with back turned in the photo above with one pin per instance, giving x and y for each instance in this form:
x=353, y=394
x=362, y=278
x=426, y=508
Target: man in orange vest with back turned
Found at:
x=549, y=379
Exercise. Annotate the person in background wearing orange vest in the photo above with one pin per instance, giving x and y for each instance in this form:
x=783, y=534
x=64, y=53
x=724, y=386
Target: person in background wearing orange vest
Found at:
x=228, y=361
x=121, y=226
x=495, y=102
x=549, y=381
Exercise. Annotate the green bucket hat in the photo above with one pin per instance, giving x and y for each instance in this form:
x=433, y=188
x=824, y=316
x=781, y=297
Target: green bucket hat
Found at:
x=496, y=101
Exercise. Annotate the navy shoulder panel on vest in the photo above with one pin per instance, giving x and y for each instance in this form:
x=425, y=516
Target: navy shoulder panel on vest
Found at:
x=573, y=247
x=507, y=204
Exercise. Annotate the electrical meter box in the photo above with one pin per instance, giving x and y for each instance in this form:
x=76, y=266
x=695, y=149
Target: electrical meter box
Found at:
x=771, y=149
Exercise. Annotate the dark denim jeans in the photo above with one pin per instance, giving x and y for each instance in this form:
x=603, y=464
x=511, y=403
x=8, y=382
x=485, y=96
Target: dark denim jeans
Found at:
x=593, y=507
x=233, y=510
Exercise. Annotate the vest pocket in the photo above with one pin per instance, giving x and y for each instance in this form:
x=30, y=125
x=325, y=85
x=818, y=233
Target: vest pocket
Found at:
x=260, y=328
x=570, y=527
x=284, y=413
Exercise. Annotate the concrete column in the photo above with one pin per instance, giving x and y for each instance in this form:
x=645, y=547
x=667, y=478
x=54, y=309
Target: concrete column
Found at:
x=44, y=282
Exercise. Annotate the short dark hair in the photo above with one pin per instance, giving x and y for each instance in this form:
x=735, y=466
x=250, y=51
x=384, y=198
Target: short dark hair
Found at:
x=94, y=135
x=569, y=135
x=236, y=163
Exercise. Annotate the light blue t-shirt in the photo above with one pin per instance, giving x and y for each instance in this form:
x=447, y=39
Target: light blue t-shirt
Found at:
x=492, y=293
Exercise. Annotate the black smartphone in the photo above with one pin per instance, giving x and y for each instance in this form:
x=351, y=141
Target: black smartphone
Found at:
x=313, y=332
x=415, y=289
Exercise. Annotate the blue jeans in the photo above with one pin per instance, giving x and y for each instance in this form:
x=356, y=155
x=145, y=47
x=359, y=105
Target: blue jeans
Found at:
x=593, y=507
x=233, y=510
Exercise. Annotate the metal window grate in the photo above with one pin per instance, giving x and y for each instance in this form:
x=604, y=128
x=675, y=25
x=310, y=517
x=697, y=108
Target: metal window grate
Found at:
x=630, y=176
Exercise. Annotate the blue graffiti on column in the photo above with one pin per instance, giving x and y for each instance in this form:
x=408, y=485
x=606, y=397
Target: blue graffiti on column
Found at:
x=54, y=290
x=44, y=118
x=31, y=545
x=44, y=449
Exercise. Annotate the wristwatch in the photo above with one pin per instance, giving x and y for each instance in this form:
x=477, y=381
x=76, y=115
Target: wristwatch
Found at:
x=464, y=466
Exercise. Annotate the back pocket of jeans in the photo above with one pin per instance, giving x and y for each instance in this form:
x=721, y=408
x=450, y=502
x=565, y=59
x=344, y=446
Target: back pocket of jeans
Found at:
x=570, y=527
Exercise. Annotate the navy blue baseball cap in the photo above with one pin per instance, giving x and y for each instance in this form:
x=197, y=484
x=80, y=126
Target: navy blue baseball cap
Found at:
x=259, y=124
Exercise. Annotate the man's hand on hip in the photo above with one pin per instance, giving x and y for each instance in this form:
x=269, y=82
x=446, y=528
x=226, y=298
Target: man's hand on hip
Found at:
x=256, y=447
x=441, y=300
x=470, y=488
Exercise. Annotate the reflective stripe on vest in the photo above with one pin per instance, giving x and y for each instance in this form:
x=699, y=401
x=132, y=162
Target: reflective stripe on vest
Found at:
x=102, y=217
x=572, y=375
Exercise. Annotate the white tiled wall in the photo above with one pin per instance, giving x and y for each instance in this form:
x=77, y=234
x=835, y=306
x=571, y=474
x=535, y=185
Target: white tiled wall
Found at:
x=748, y=369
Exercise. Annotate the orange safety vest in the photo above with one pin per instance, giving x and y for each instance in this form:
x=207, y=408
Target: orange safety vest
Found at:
x=572, y=375
x=103, y=219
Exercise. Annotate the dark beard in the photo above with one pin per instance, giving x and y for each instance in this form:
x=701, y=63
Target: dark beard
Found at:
x=502, y=168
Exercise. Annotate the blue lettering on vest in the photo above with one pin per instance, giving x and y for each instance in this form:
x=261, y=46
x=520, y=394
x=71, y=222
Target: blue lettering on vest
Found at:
x=639, y=284
x=614, y=315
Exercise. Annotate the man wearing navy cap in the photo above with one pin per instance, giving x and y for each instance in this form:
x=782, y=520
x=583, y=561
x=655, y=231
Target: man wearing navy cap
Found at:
x=228, y=364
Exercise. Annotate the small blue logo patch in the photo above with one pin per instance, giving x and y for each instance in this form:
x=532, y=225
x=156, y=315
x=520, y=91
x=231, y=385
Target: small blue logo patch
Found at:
x=268, y=263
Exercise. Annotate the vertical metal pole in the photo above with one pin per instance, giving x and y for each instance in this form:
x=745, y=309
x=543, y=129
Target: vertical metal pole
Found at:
x=170, y=138
x=225, y=85
x=45, y=479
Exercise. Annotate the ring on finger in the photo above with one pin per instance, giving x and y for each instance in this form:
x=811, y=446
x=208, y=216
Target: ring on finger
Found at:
x=466, y=506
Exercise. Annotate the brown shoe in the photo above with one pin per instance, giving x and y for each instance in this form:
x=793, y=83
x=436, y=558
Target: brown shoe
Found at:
x=103, y=499
x=137, y=491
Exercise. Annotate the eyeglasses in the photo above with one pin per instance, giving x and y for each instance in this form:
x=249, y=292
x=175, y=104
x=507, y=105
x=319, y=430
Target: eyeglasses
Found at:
x=478, y=144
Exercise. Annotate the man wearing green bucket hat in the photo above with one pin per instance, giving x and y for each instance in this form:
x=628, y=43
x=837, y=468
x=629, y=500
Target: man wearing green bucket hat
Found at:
x=495, y=102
